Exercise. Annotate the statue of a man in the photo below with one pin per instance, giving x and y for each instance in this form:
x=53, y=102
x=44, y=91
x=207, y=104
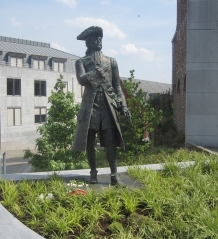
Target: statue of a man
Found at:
x=101, y=100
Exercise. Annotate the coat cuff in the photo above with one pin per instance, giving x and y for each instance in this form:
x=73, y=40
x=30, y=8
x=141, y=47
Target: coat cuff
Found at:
x=122, y=99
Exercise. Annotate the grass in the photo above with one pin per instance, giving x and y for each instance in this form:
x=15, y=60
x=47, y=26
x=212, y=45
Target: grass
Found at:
x=173, y=203
x=151, y=156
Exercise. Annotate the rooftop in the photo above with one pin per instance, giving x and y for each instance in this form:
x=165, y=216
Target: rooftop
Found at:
x=9, y=44
x=152, y=87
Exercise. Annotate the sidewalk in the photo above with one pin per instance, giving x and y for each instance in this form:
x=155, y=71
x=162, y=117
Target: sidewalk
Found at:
x=15, y=162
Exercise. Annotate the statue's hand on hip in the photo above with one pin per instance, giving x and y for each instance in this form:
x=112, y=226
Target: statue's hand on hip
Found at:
x=102, y=69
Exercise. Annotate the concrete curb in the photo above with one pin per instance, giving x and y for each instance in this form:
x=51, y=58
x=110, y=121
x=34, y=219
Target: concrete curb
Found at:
x=11, y=227
x=199, y=148
x=82, y=172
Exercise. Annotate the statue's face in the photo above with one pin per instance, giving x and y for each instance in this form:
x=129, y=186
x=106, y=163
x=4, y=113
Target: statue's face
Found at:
x=95, y=43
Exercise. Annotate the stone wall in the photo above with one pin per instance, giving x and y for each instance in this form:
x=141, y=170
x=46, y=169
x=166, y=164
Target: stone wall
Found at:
x=202, y=73
x=181, y=11
x=179, y=67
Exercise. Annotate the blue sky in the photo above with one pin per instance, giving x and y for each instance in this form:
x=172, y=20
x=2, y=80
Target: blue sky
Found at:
x=137, y=33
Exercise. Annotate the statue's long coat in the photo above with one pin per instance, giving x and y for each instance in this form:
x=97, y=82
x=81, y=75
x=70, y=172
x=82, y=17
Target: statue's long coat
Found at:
x=91, y=80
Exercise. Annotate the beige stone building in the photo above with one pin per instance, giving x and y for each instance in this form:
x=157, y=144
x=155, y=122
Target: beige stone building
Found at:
x=28, y=73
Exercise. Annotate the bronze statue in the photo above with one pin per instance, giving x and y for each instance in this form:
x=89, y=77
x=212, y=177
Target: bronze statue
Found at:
x=101, y=101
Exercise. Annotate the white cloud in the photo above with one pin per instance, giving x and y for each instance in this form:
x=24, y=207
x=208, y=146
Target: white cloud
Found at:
x=70, y=3
x=111, y=52
x=105, y=2
x=58, y=47
x=142, y=52
x=41, y=28
x=15, y=23
x=110, y=29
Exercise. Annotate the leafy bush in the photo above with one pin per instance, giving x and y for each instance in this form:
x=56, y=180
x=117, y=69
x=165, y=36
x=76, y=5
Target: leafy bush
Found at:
x=54, y=145
x=144, y=117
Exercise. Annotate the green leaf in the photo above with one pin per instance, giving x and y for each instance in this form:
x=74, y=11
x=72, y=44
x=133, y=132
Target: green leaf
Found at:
x=56, y=136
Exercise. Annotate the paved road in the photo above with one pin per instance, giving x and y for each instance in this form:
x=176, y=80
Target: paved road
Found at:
x=15, y=162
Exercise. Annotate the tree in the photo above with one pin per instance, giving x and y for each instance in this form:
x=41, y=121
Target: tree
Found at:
x=144, y=117
x=54, y=145
x=166, y=133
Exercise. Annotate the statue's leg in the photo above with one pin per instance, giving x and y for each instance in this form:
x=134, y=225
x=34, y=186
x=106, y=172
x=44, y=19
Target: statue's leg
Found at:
x=111, y=154
x=90, y=150
x=109, y=140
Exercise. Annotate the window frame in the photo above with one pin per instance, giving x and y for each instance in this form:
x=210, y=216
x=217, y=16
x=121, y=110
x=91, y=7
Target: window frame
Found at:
x=40, y=88
x=40, y=114
x=14, y=116
x=14, y=86
x=37, y=66
x=58, y=66
x=16, y=63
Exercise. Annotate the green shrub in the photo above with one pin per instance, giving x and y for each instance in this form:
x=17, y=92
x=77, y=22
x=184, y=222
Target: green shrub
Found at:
x=54, y=146
x=144, y=117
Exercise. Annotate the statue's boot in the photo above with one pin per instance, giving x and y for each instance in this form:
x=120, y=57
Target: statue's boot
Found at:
x=93, y=177
x=115, y=181
x=90, y=150
x=111, y=155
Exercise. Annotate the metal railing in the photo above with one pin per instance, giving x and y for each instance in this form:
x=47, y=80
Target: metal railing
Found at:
x=47, y=68
x=3, y=162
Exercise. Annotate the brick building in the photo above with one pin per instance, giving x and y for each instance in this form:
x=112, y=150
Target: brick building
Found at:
x=179, y=66
x=195, y=71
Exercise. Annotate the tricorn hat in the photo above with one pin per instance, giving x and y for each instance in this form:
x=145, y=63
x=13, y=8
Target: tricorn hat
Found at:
x=90, y=31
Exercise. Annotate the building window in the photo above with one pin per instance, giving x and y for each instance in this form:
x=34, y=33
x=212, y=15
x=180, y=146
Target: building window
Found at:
x=39, y=88
x=40, y=115
x=14, y=116
x=184, y=86
x=174, y=88
x=79, y=91
x=13, y=86
x=66, y=87
x=16, y=61
x=59, y=66
x=178, y=86
x=39, y=64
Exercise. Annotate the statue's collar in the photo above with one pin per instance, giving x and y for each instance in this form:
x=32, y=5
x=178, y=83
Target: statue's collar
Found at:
x=96, y=56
